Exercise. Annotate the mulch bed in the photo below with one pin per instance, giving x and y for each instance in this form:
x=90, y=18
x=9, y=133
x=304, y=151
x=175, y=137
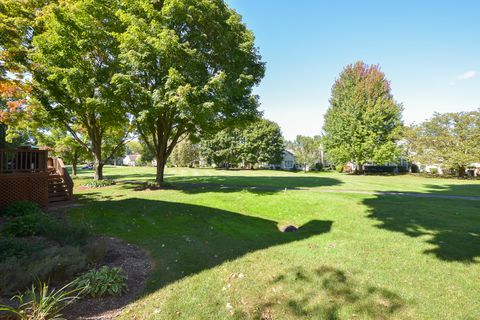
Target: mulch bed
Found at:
x=135, y=263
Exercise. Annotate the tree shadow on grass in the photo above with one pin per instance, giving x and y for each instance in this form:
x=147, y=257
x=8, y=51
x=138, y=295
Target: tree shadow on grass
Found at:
x=185, y=239
x=260, y=184
x=326, y=293
x=471, y=189
x=452, y=226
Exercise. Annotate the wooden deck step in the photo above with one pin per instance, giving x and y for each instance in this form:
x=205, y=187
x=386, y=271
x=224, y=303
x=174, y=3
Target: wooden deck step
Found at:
x=57, y=189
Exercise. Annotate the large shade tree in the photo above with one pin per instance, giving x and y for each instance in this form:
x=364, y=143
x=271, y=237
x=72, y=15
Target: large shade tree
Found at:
x=261, y=143
x=308, y=150
x=191, y=66
x=70, y=51
x=363, y=122
x=223, y=148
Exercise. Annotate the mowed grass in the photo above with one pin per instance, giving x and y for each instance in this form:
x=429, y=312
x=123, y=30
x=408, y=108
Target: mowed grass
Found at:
x=291, y=180
x=219, y=254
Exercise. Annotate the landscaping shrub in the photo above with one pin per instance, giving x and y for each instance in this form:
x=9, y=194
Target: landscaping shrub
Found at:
x=22, y=208
x=99, y=183
x=59, y=263
x=54, y=263
x=102, y=282
x=62, y=232
x=95, y=250
x=40, y=303
x=24, y=226
x=415, y=168
x=13, y=247
x=433, y=170
x=339, y=168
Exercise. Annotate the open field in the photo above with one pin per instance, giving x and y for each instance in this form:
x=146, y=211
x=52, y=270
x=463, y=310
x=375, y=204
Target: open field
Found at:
x=218, y=253
x=292, y=180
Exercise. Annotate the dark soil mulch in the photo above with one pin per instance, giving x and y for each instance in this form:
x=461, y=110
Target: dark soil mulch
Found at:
x=135, y=263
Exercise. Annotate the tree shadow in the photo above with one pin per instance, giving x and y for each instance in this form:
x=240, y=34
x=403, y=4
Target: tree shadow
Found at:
x=185, y=239
x=327, y=293
x=451, y=226
x=256, y=184
x=472, y=189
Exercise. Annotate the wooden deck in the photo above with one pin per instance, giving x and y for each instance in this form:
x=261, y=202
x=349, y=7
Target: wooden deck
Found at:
x=29, y=174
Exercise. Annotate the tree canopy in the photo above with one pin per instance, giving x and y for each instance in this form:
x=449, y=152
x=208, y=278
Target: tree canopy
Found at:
x=74, y=60
x=307, y=150
x=260, y=142
x=363, y=122
x=190, y=67
x=450, y=140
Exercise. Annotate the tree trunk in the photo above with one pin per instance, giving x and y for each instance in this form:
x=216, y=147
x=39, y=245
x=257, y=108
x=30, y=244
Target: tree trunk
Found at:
x=359, y=169
x=75, y=162
x=461, y=171
x=98, y=175
x=160, y=169
x=97, y=161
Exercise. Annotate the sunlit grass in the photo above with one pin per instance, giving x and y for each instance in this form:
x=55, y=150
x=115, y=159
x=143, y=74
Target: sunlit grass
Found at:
x=218, y=253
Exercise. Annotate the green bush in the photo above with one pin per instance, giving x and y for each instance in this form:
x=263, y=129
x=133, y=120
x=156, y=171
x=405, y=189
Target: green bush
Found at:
x=22, y=208
x=96, y=249
x=54, y=263
x=13, y=247
x=102, y=282
x=40, y=303
x=99, y=183
x=24, y=226
x=339, y=168
x=62, y=232
x=433, y=170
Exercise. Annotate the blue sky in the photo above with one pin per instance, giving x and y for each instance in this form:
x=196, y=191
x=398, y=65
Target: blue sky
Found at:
x=429, y=50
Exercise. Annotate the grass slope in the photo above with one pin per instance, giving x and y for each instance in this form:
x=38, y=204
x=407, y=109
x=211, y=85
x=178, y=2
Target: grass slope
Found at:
x=218, y=254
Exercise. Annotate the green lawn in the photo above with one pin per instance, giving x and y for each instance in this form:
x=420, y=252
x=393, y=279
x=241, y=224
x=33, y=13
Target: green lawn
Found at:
x=284, y=179
x=218, y=253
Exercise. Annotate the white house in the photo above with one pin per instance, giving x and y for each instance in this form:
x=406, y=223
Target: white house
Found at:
x=287, y=163
x=131, y=160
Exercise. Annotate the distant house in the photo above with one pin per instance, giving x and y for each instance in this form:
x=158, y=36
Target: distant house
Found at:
x=287, y=163
x=474, y=170
x=131, y=160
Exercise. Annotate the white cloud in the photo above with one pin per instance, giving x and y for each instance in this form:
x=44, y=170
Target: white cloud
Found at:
x=467, y=75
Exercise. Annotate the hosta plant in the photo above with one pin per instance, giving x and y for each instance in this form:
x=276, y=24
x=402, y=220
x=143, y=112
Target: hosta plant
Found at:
x=102, y=282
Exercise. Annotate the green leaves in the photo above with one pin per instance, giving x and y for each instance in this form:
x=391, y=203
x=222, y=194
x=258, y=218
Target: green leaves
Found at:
x=190, y=67
x=450, y=140
x=75, y=58
x=102, y=282
x=261, y=142
x=41, y=303
x=307, y=150
x=363, y=122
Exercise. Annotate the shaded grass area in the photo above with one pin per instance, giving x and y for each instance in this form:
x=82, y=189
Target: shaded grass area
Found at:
x=452, y=227
x=219, y=254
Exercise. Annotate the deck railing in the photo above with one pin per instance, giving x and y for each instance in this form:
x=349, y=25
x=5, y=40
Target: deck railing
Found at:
x=23, y=160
